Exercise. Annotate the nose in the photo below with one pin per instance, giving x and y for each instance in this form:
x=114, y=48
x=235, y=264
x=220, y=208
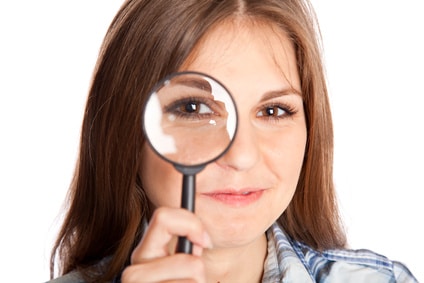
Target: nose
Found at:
x=244, y=152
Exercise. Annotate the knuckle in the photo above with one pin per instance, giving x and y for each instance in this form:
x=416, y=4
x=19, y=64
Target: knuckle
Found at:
x=128, y=275
x=159, y=215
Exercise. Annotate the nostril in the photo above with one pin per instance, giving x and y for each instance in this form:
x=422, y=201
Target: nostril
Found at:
x=223, y=165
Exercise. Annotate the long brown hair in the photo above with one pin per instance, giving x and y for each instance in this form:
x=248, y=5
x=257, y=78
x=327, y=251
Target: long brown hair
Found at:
x=147, y=40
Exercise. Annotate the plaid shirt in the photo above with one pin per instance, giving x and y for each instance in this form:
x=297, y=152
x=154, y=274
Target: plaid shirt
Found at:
x=291, y=261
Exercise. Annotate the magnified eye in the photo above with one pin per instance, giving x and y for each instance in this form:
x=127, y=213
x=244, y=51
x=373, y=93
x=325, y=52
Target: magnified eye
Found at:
x=191, y=108
x=195, y=107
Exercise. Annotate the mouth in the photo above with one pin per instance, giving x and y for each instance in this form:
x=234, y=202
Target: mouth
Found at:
x=236, y=198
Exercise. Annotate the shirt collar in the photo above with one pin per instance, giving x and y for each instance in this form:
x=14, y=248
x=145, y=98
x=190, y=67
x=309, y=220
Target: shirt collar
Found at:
x=283, y=263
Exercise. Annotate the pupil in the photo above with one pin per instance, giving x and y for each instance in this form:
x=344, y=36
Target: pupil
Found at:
x=191, y=107
x=270, y=111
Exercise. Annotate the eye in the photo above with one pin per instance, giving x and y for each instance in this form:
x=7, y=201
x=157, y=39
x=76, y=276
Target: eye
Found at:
x=273, y=111
x=194, y=107
x=190, y=108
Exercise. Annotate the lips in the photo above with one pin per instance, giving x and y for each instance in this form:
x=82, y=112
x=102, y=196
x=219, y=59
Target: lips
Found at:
x=236, y=198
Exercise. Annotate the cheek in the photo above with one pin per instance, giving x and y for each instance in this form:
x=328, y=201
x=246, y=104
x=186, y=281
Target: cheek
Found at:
x=161, y=182
x=284, y=155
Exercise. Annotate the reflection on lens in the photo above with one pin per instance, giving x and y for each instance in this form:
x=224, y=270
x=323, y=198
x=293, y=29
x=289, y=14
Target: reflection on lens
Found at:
x=190, y=119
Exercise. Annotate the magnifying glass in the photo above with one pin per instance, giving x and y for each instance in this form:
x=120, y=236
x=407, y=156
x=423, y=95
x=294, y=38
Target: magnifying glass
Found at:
x=190, y=120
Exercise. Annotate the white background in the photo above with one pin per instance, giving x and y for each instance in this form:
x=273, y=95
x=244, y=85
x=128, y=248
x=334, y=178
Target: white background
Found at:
x=374, y=57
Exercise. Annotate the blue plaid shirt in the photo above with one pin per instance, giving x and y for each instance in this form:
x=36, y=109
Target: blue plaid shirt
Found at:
x=291, y=261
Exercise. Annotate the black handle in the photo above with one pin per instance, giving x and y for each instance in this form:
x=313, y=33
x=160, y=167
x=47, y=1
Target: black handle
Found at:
x=187, y=202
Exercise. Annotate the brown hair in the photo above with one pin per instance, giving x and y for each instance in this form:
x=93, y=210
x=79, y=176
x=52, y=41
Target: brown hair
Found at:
x=147, y=40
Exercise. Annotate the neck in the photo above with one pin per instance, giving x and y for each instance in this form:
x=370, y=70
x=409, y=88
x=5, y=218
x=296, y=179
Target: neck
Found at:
x=237, y=264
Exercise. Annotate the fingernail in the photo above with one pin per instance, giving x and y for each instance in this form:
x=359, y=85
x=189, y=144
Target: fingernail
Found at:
x=207, y=240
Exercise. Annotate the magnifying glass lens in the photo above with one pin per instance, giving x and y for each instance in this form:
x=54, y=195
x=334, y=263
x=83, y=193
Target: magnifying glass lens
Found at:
x=190, y=119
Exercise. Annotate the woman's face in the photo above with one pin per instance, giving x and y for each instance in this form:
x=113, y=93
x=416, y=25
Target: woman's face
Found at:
x=241, y=194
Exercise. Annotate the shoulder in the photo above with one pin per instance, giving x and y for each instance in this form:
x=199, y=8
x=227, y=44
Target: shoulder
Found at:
x=337, y=265
x=363, y=265
x=72, y=277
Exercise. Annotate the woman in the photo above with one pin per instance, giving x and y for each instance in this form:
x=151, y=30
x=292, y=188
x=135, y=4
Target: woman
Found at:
x=266, y=210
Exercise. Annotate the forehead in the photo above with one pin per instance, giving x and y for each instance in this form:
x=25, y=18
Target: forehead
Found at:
x=240, y=46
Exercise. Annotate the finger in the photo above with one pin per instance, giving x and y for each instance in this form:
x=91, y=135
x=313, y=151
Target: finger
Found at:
x=166, y=269
x=197, y=250
x=172, y=246
x=164, y=225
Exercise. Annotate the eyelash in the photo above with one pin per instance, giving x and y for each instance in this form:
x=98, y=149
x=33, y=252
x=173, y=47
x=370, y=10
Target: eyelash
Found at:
x=288, y=109
x=172, y=108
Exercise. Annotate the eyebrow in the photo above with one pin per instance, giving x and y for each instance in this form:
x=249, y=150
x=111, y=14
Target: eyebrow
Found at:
x=193, y=82
x=278, y=93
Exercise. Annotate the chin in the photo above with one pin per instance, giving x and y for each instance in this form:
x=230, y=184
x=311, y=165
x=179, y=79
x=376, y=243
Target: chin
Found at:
x=232, y=232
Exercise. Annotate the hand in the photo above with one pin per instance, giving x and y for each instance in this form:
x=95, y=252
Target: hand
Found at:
x=154, y=260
